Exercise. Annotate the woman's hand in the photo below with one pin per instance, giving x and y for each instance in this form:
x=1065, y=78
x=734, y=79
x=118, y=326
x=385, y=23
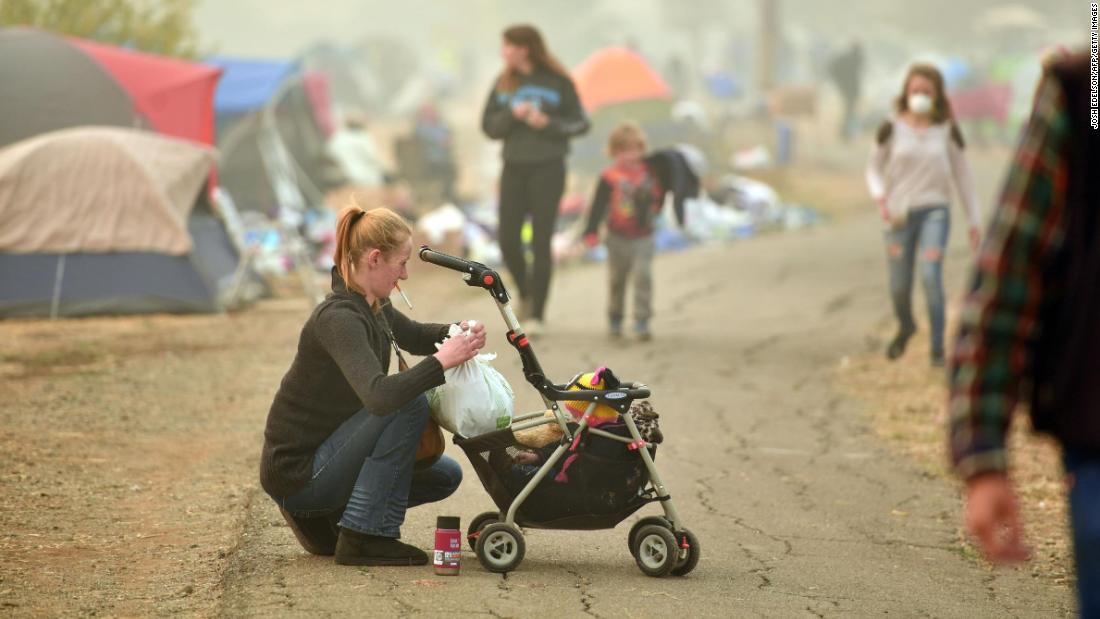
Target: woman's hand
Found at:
x=537, y=120
x=476, y=333
x=522, y=111
x=457, y=350
x=975, y=238
x=882, y=210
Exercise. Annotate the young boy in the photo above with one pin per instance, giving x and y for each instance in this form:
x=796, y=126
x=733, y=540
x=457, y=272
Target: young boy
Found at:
x=630, y=196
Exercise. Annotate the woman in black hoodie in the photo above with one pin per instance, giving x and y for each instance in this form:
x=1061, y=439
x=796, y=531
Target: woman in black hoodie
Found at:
x=534, y=108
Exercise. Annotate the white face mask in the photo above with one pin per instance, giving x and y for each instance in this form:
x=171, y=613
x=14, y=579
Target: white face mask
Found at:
x=920, y=103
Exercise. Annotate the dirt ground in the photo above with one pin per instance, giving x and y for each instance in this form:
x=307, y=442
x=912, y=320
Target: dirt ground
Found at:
x=130, y=448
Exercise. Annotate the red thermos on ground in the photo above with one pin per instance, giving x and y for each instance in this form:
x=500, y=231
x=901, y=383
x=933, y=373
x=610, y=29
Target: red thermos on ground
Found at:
x=448, y=546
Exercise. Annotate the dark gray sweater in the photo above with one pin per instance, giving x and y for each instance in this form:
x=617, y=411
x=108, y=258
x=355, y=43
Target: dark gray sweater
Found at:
x=342, y=366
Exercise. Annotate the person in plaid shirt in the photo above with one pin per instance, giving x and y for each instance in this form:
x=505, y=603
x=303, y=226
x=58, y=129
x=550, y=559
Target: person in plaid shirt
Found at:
x=1030, y=328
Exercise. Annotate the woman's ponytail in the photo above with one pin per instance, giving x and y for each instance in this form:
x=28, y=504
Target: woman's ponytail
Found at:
x=342, y=257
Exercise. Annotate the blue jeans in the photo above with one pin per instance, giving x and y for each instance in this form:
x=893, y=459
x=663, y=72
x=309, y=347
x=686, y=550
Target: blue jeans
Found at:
x=1084, y=512
x=367, y=465
x=924, y=234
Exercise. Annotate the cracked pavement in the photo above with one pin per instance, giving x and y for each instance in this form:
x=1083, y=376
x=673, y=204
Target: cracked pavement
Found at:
x=799, y=510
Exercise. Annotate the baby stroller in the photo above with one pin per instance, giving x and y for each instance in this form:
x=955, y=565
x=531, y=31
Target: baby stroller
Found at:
x=592, y=478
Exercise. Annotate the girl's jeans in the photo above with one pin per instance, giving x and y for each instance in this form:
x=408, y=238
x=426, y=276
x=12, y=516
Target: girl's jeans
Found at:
x=367, y=465
x=922, y=238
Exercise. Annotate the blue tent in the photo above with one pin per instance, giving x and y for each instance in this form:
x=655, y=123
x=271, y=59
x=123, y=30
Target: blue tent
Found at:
x=246, y=88
x=247, y=84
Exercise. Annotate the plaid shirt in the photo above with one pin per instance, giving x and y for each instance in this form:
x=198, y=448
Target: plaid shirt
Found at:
x=1000, y=315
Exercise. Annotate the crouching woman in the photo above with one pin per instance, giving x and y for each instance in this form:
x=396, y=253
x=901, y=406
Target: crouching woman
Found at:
x=342, y=434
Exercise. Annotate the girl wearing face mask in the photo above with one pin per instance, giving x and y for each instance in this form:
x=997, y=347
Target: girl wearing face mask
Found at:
x=918, y=157
x=343, y=432
x=533, y=107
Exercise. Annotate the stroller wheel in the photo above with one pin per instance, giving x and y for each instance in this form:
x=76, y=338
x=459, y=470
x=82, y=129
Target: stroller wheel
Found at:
x=477, y=524
x=687, y=563
x=655, y=550
x=656, y=520
x=500, y=547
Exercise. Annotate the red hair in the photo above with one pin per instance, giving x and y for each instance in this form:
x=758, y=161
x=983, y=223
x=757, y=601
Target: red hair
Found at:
x=359, y=231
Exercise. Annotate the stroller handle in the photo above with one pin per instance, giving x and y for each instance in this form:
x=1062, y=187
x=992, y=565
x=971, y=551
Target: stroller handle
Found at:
x=454, y=263
x=561, y=393
x=476, y=274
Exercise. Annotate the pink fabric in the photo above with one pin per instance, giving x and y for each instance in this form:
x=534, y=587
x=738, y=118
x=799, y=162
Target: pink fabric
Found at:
x=562, y=477
x=988, y=101
x=317, y=89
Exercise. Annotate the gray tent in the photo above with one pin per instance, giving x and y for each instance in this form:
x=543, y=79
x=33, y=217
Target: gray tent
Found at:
x=49, y=84
x=103, y=220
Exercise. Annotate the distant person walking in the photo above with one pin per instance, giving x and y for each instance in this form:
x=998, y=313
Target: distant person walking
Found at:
x=1031, y=329
x=533, y=106
x=917, y=157
x=846, y=69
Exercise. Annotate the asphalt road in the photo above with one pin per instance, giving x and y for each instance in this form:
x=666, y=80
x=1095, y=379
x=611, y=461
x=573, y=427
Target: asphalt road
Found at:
x=799, y=510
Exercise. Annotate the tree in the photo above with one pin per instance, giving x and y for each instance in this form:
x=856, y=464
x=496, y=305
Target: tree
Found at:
x=163, y=27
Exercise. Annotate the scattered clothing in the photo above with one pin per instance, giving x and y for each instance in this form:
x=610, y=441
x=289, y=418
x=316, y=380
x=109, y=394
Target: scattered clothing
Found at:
x=356, y=153
x=678, y=171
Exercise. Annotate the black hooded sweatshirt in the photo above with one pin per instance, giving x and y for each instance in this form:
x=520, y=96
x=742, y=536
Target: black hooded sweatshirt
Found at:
x=556, y=96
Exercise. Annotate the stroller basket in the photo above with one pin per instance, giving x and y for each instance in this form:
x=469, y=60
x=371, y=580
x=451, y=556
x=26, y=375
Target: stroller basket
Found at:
x=603, y=485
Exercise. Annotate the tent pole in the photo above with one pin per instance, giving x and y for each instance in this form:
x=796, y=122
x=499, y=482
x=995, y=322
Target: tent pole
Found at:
x=59, y=274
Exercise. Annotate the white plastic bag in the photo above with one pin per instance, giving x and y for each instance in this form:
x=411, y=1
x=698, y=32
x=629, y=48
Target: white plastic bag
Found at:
x=476, y=398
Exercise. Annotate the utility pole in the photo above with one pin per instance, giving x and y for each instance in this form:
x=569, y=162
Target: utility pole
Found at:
x=768, y=45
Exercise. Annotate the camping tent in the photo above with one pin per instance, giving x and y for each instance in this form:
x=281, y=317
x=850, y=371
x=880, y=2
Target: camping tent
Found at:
x=177, y=97
x=247, y=85
x=268, y=133
x=616, y=84
x=49, y=84
x=617, y=75
x=107, y=220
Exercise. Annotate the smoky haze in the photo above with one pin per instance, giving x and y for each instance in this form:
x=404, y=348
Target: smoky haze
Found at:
x=657, y=27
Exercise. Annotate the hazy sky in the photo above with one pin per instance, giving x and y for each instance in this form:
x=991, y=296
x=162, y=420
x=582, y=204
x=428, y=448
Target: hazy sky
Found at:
x=282, y=28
